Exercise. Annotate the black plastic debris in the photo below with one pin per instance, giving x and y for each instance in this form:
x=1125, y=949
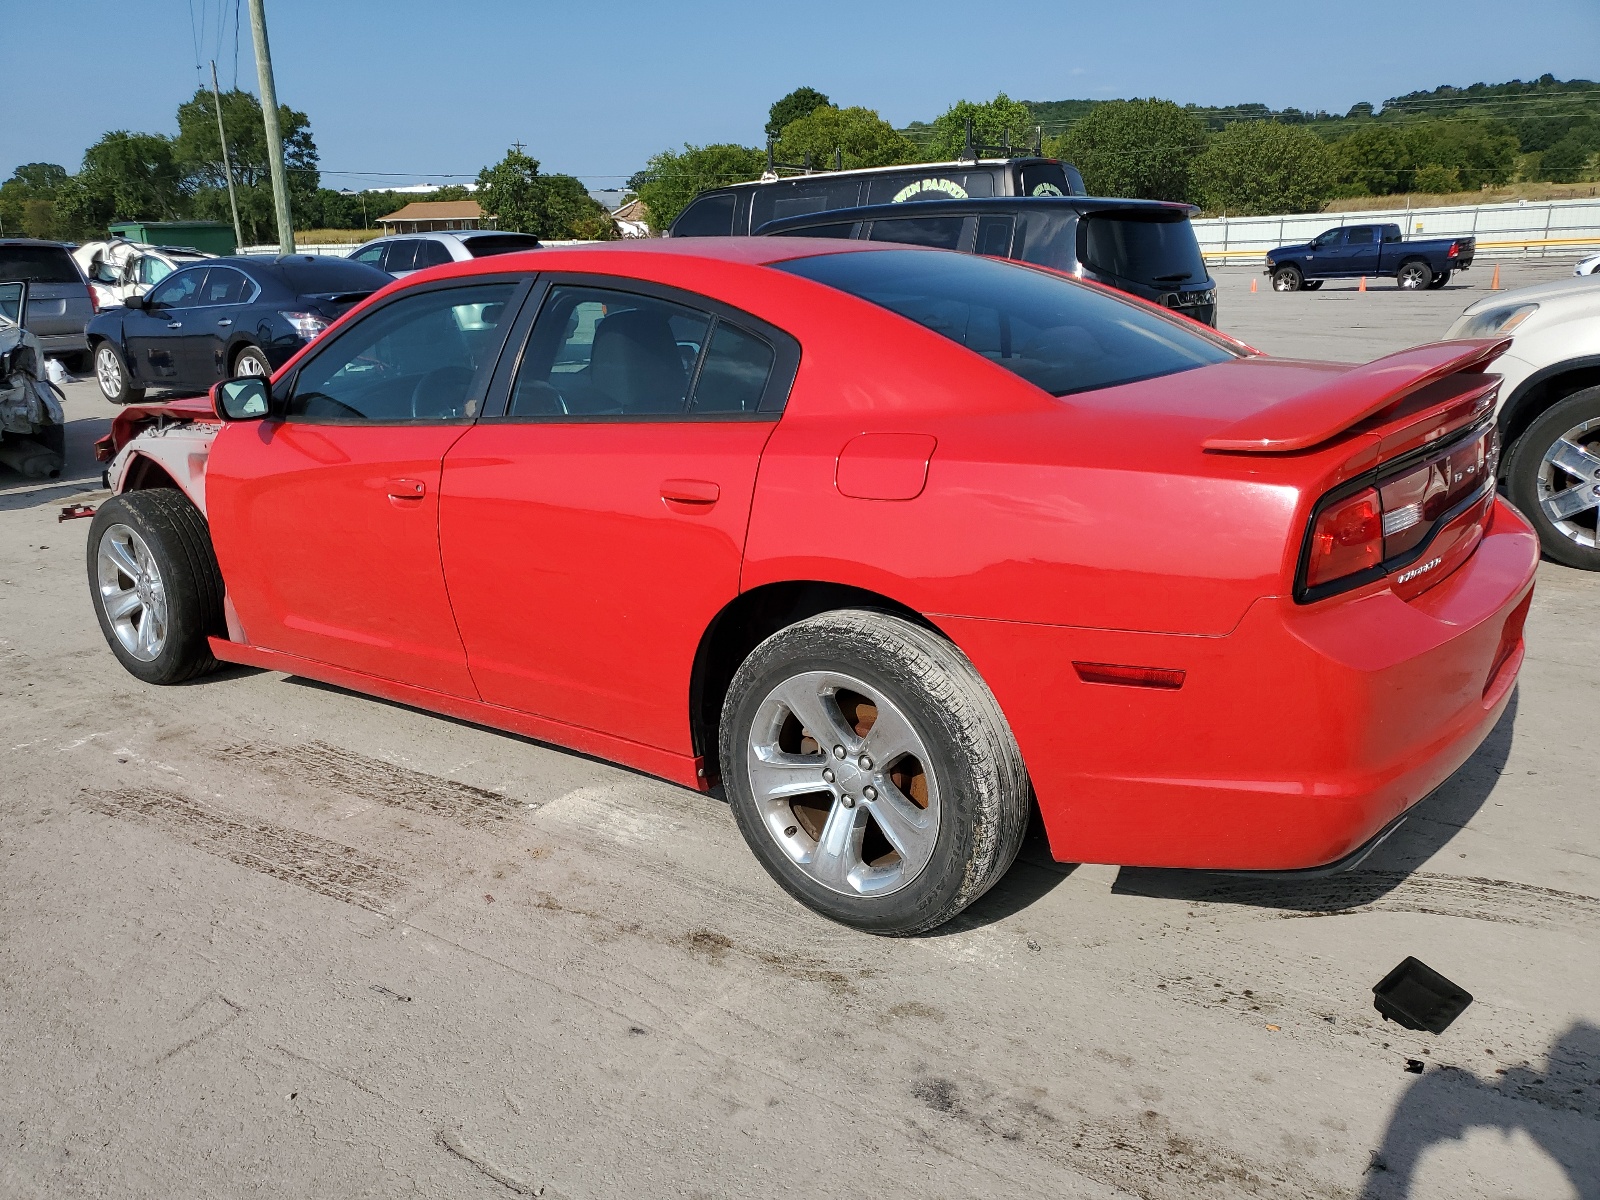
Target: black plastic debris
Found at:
x=1418, y=997
x=1414, y=1066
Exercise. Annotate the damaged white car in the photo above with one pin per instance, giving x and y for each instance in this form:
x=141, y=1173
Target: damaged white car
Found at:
x=117, y=268
x=33, y=434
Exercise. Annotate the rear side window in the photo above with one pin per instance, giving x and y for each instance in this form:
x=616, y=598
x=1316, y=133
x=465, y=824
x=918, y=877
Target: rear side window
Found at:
x=930, y=185
x=1058, y=335
x=432, y=254
x=798, y=197
x=500, y=243
x=38, y=264
x=735, y=373
x=402, y=256
x=1044, y=179
x=994, y=236
x=942, y=233
x=1360, y=235
x=225, y=286
x=1142, y=250
x=598, y=352
x=1048, y=237
x=711, y=216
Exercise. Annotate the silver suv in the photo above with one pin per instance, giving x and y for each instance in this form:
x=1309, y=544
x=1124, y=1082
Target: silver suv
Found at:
x=404, y=253
x=59, y=303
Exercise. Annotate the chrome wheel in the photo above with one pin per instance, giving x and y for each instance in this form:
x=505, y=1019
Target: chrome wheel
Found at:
x=1569, y=484
x=250, y=365
x=1414, y=275
x=109, y=372
x=131, y=592
x=843, y=783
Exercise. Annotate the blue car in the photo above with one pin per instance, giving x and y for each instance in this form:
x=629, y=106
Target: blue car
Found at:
x=221, y=318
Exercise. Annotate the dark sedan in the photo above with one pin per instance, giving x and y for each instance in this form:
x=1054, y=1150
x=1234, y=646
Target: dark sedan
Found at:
x=221, y=318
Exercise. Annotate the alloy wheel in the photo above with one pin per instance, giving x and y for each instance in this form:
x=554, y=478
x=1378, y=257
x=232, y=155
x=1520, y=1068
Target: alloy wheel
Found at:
x=1414, y=275
x=844, y=783
x=1569, y=484
x=108, y=371
x=132, y=592
x=250, y=365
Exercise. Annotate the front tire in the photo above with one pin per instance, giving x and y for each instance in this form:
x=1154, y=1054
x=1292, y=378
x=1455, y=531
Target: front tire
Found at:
x=1553, y=476
x=116, y=385
x=155, y=583
x=1413, y=276
x=872, y=772
x=1287, y=279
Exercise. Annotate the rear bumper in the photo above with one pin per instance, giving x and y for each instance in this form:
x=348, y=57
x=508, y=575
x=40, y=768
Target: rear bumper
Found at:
x=1293, y=741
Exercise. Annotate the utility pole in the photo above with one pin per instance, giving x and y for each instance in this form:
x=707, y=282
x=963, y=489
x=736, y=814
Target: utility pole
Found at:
x=269, y=113
x=227, y=166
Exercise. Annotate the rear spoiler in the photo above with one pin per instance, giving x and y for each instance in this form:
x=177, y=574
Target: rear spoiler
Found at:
x=1325, y=412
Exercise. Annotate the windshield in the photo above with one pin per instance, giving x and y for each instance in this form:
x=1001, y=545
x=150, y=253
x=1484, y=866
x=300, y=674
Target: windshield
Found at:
x=1057, y=334
x=1150, y=251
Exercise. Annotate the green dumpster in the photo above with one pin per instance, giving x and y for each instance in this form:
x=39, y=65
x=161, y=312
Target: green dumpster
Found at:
x=212, y=237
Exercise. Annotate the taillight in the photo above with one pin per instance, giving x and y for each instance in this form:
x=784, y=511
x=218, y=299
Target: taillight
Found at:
x=307, y=324
x=1386, y=524
x=1347, y=538
x=94, y=305
x=1455, y=249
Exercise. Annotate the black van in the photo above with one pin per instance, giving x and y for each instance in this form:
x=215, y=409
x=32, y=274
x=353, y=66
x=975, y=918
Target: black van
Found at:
x=1144, y=247
x=741, y=208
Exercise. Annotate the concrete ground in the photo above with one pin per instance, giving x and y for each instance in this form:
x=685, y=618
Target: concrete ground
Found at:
x=260, y=937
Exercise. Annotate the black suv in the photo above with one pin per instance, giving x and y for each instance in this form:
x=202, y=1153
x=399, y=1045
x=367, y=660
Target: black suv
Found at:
x=742, y=208
x=1144, y=247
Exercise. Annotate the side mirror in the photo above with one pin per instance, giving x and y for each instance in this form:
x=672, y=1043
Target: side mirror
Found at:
x=134, y=302
x=243, y=399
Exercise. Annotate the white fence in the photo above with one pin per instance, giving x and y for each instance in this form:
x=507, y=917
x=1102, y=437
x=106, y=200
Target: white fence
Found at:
x=1521, y=229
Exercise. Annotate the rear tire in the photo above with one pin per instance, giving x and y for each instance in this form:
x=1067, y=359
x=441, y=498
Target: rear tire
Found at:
x=1553, y=476
x=871, y=771
x=155, y=583
x=1287, y=279
x=111, y=373
x=1413, y=276
x=251, y=361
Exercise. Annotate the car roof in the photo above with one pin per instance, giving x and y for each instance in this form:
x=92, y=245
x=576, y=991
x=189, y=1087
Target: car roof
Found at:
x=964, y=164
x=992, y=204
x=24, y=241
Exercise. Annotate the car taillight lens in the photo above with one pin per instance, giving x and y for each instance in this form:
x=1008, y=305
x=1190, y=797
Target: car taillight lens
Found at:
x=94, y=305
x=306, y=324
x=1455, y=249
x=1393, y=517
x=1347, y=538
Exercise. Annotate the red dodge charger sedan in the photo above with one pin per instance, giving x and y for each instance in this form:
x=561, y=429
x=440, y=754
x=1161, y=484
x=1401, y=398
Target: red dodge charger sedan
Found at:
x=891, y=542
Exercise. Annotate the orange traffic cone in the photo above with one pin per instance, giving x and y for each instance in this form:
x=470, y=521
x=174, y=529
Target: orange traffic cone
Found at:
x=1494, y=284
x=1252, y=287
x=1363, y=286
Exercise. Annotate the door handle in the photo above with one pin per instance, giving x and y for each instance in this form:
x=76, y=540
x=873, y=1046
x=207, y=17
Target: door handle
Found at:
x=174, y=324
x=407, y=489
x=225, y=321
x=701, y=492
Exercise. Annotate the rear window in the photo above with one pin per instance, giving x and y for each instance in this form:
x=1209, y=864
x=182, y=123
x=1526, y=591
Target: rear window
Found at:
x=1044, y=179
x=930, y=184
x=500, y=243
x=1057, y=334
x=841, y=230
x=332, y=275
x=38, y=264
x=1141, y=249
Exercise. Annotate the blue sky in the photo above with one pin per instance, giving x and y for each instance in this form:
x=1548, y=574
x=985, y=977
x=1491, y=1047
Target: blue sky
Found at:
x=427, y=89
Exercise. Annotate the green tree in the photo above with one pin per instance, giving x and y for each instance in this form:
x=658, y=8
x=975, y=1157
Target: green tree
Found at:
x=993, y=122
x=520, y=199
x=866, y=139
x=124, y=175
x=1264, y=167
x=1567, y=161
x=672, y=178
x=1375, y=160
x=1138, y=148
x=1481, y=152
x=27, y=200
x=799, y=103
x=199, y=157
